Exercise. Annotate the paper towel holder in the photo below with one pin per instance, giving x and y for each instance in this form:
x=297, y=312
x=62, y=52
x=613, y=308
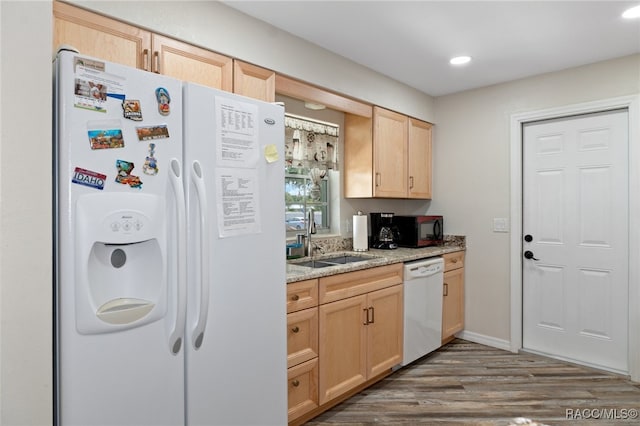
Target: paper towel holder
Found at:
x=360, y=232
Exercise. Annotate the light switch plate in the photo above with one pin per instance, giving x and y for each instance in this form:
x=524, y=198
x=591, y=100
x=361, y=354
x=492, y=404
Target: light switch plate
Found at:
x=500, y=224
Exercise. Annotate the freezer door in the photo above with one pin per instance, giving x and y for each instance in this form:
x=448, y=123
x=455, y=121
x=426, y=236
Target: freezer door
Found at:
x=118, y=293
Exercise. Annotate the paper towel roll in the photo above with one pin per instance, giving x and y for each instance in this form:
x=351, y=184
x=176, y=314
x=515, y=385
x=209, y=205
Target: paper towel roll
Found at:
x=360, y=232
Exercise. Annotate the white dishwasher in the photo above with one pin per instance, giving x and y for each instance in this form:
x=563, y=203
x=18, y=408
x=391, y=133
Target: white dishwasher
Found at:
x=422, y=307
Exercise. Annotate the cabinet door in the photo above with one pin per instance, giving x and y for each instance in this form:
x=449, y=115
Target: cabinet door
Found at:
x=453, y=303
x=190, y=63
x=389, y=153
x=419, y=160
x=385, y=329
x=302, y=388
x=302, y=336
x=99, y=36
x=254, y=82
x=343, y=346
x=358, y=156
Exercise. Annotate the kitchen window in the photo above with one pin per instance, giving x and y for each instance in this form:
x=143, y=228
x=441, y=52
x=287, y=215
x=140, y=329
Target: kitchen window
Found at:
x=310, y=152
x=301, y=195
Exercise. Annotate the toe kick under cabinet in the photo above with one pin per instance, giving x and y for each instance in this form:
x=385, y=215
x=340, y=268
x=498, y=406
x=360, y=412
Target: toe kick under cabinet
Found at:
x=356, y=325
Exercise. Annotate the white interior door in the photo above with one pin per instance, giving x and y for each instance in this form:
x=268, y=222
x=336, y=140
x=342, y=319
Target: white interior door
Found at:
x=575, y=229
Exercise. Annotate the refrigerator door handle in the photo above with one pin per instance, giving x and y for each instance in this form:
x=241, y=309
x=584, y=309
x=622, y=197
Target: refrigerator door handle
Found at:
x=198, y=181
x=177, y=333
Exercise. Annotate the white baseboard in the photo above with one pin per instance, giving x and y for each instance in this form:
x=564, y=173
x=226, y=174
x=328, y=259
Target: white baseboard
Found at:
x=485, y=340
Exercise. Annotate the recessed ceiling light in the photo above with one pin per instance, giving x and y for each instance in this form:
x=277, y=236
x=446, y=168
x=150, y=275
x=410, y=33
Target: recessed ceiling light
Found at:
x=460, y=60
x=631, y=13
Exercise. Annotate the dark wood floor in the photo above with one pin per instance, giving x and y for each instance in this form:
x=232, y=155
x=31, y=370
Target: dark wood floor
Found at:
x=465, y=383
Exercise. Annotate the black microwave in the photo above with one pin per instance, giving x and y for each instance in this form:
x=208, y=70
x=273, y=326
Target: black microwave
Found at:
x=419, y=230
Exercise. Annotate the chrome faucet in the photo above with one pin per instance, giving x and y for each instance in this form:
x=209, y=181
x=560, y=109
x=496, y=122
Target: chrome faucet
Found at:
x=311, y=229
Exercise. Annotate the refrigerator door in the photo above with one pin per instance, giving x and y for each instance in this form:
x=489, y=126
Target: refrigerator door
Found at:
x=120, y=227
x=236, y=322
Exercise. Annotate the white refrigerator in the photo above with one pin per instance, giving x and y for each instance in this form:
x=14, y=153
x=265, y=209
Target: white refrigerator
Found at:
x=169, y=236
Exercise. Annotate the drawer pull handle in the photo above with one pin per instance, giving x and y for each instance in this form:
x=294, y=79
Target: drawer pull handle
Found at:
x=372, y=315
x=295, y=383
x=446, y=289
x=295, y=297
x=366, y=316
x=295, y=329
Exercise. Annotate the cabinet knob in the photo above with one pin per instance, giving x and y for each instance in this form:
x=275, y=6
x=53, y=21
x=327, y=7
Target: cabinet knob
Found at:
x=295, y=297
x=295, y=383
x=295, y=329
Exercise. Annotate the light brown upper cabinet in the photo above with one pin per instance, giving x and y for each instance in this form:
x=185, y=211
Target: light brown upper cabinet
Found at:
x=387, y=156
x=115, y=41
x=390, y=136
x=190, y=63
x=99, y=36
x=253, y=81
x=419, y=159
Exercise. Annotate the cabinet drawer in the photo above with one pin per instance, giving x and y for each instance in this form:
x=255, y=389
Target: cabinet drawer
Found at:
x=350, y=284
x=453, y=260
x=302, y=295
x=302, y=336
x=302, y=388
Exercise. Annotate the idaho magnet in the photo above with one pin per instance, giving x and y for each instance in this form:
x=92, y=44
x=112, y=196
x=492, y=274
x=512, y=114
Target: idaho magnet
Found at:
x=124, y=175
x=131, y=109
x=150, y=166
x=163, y=101
x=88, y=178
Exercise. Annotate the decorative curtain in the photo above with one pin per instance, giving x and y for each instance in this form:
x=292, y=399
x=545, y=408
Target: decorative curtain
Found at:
x=311, y=146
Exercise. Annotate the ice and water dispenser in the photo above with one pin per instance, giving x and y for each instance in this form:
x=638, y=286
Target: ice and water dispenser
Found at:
x=121, y=258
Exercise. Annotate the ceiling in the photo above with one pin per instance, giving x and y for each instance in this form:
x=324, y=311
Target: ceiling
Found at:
x=412, y=41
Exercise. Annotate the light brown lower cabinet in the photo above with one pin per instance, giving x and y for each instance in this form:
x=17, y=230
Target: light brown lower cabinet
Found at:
x=302, y=388
x=453, y=295
x=302, y=347
x=345, y=332
x=361, y=336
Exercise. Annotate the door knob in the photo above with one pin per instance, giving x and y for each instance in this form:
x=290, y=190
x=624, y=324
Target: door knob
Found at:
x=528, y=238
x=529, y=255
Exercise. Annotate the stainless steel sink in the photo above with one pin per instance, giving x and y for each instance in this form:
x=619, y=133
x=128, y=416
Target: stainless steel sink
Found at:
x=315, y=264
x=332, y=261
x=345, y=258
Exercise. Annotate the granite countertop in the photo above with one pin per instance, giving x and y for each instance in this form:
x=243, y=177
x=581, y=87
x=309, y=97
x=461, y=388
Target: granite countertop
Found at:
x=375, y=257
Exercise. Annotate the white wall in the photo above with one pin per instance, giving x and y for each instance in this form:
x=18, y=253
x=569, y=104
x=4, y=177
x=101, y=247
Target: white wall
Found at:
x=25, y=213
x=472, y=171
